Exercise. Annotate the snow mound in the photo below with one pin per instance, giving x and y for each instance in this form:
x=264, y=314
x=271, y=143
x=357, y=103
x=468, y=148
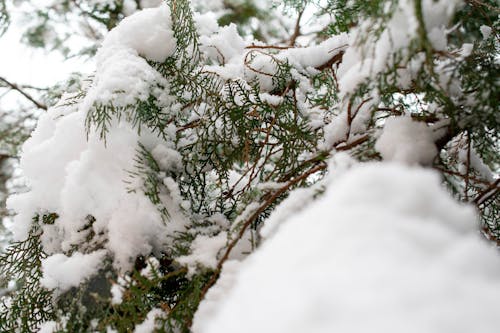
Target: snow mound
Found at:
x=123, y=74
x=407, y=141
x=149, y=32
x=388, y=250
x=61, y=272
x=204, y=250
x=149, y=324
x=89, y=185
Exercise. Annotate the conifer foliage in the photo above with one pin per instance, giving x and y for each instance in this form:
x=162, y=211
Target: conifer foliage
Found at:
x=168, y=162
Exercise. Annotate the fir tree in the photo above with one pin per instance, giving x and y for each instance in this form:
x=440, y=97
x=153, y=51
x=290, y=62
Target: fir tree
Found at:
x=187, y=137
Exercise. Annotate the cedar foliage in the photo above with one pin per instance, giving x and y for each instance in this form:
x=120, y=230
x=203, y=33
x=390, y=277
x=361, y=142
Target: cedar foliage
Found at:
x=236, y=129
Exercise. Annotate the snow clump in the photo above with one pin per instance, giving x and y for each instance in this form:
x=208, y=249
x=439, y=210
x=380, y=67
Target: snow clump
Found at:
x=85, y=182
x=407, y=141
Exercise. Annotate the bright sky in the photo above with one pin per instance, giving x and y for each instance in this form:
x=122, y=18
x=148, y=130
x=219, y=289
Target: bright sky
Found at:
x=22, y=64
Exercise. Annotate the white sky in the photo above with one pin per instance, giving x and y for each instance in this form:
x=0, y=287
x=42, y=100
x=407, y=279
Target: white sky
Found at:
x=22, y=64
x=26, y=65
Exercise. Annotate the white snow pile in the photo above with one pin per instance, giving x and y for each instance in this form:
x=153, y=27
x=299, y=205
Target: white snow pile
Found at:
x=48, y=327
x=234, y=60
x=204, y=250
x=129, y=7
x=149, y=324
x=123, y=74
x=75, y=175
x=407, y=141
x=59, y=269
x=386, y=249
x=116, y=294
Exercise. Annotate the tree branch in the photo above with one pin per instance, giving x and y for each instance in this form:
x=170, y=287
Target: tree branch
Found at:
x=269, y=198
x=489, y=192
x=296, y=32
x=335, y=59
x=24, y=93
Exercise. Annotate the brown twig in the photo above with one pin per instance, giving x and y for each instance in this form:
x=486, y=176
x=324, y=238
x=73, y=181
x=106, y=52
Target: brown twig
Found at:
x=223, y=59
x=489, y=192
x=461, y=175
x=296, y=31
x=343, y=146
x=24, y=93
x=268, y=201
x=335, y=59
x=253, y=46
x=467, y=168
x=248, y=60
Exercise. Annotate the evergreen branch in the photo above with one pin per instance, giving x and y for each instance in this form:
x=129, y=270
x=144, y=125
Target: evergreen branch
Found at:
x=31, y=304
x=270, y=199
x=108, y=23
x=483, y=4
x=489, y=192
x=276, y=47
x=335, y=59
x=477, y=180
x=24, y=93
x=296, y=32
x=4, y=17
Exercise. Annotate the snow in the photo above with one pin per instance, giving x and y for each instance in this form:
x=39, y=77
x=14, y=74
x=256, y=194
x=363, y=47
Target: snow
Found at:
x=204, y=250
x=123, y=75
x=129, y=7
x=48, y=327
x=149, y=324
x=208, y=307
x=384, y=248
x=467, y=49
x=206, y=23
x=299, y=199
x=151, y=3
x=365, y=59
x=368, y=56
x=261, y=68
x=485, y=31
x=224, y=45
x=466, y=154
x=148, y=32
x=116, y=294
x=62, y=272
x=233, y=59
x=73, y=173
x=316, y=55
x=388, y=250
x=167, y=158
x=406, y=141
x=86, y=177
x=437, y=14
x=102, y=3
x=152, y=268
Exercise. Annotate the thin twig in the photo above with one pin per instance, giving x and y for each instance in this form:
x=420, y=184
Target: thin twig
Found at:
x=268, y=202
x=467, y=169
x=489, y=192
x=253, y=46
x=24, y=93
x=296, y=31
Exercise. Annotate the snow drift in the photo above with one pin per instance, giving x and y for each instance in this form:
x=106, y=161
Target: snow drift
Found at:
x=386, y=249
